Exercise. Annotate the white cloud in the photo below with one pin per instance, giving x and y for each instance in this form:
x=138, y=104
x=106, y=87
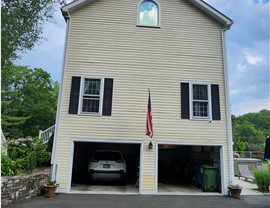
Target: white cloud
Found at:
x=247, y=89
x=253, y=59
x=241, y=67
x=235, y=92
x=222, y=4
x=149, y=17
x=254, y=105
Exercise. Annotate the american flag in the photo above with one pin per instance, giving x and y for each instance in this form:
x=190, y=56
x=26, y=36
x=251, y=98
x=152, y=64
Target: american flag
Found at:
x=149, y=125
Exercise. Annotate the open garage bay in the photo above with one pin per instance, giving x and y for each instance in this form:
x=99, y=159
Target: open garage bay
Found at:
x=83, y=152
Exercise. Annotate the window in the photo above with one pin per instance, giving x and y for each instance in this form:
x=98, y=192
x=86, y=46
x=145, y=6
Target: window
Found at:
x=91, y=96
x=148, y=14
x=200, y=101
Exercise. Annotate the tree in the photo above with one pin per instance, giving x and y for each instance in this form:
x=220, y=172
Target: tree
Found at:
x=22, y=22
x=249, y=130
x=31, y=102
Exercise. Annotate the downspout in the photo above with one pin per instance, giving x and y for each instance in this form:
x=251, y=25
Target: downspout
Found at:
x=59, y=104
x=228, y=108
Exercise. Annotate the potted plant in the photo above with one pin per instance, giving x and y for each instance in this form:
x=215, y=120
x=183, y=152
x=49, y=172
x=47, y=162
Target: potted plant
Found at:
x=235, y=191
x=50, y=187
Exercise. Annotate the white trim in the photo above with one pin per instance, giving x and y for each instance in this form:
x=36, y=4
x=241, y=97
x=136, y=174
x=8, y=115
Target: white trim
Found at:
x=156, y=186
x=70, y=165
x=73, y=140
x=209, y=108
x=148, y=192
x=60, y=98
x=212, y=12
x=76, y=5
x=224, y=190
x=102, y=82
x=203, y=6
x=209, y=143
x=138, y=14
x=141, y=168
x=61, y=190
x=228, y=109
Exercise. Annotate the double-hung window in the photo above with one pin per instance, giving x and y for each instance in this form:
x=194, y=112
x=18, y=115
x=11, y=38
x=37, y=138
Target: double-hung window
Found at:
x=200, y=101
x=91, y=95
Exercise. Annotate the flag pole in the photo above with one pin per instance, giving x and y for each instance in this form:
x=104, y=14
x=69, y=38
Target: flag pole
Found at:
x=149, y=124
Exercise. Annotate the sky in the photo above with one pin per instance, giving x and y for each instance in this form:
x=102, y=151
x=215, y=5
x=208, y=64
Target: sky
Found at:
x=247, y=52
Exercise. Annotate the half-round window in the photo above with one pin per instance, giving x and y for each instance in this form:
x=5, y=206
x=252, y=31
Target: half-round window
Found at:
x=148, y=14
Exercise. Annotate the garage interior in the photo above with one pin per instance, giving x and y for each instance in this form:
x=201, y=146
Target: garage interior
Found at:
x=182, y=168
x=83, y=152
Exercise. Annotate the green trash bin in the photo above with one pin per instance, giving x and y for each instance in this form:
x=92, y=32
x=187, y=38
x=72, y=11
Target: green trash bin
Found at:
x=209, y=178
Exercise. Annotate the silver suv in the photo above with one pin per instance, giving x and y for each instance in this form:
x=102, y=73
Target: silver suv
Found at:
x=107, y=165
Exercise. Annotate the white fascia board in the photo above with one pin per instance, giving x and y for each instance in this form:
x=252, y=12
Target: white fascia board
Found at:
x=76, y=5
x=212, y=12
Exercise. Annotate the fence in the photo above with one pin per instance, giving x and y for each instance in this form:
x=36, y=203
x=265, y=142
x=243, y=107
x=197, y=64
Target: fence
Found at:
x=249, y=154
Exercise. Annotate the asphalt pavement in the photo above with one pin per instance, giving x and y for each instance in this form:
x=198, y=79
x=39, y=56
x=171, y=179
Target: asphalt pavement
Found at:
x=141, y=201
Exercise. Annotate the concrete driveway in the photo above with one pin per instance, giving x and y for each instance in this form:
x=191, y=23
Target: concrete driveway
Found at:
x=140, y=201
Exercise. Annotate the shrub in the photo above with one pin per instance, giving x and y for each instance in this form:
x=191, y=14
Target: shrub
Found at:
x=262, y=178
x=30, y=152
x=10, y=167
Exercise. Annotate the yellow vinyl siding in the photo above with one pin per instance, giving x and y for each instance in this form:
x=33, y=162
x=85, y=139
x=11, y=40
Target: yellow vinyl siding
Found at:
x=105, y=41
x=149, y=171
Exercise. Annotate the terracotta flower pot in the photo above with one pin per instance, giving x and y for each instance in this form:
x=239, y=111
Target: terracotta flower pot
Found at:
x=235, y=192
x=49, y=190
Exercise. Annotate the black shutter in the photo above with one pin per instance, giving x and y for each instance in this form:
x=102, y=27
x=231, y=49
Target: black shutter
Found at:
x=185, y=100
x=107, y=97
x=74, y=95
x=215, y=102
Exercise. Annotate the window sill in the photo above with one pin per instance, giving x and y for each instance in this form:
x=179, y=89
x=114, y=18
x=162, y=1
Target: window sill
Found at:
x=201, y=119
x=89, y=114
x=148, y=26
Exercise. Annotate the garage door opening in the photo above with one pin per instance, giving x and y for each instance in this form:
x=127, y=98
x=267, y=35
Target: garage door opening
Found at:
x=186, y=168
x=84, y=151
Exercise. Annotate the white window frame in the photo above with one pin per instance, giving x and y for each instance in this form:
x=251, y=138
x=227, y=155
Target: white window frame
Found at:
x=209, y=109
x=159, y=14
x=81, y=96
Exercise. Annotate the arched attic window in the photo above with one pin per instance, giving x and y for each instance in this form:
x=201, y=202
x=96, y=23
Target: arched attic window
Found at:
x=148, y=13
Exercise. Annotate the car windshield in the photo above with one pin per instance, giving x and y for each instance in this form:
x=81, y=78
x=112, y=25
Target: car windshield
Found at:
x=107, y=156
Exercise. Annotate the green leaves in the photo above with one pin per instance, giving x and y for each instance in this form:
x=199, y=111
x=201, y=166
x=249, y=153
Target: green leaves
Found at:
x=22, y=23
x=9, y=167
x=29, y=102
x=262, y=178
x=29, y=96
x=24, y=154
x=250, y=130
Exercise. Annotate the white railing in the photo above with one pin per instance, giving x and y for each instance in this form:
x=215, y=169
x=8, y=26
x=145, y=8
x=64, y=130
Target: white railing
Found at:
x=46, y=134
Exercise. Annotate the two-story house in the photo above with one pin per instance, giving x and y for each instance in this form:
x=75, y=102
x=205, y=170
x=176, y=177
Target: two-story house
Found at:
x=114, y=52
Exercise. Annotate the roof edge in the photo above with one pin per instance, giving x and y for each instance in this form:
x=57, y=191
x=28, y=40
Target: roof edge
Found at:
x=200, y=4
x=72, y=6
x=212, y=12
